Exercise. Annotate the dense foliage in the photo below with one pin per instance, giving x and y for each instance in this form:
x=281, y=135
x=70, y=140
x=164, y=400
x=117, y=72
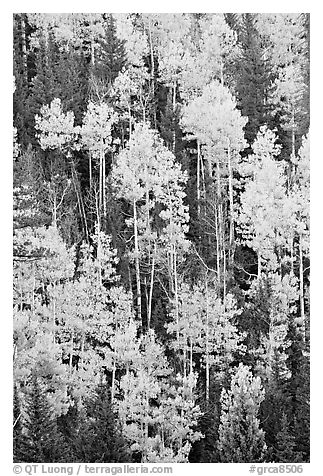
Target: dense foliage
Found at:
x=161, y=237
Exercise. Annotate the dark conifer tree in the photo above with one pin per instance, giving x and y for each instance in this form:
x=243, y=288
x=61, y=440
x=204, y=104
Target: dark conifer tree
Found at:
x=111, y=53
x=301, y=409
x=253, y=77
x=44, y=84
x=276, y=403
x=72, y=83
x=22, y=79
x=99, y=438
x=205, y=449
x=17, y=426
x=43, y=442
x=285, y=446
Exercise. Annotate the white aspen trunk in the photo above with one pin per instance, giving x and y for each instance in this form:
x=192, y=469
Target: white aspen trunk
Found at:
x=219, y=220
x=71, y=352
x=90, y=170
x=33, y=291
x=231, y=235
x=130, y=120
x=185, y=355
x=146, y=296
x=99, y=248
x=207, y=361
x=174, y=109
x=135, y=225
x=77, y=195
x=217, y=237
x=103, y=188
x=291, y=247
x=54, y=316
x=224, y=273
x=259, y=265
x=293, y=133
x=92, y=52
x=176, y=294
x=54, y=219
x=198, y=193
x=203, y=175
x=82, y=346
x=113, y=380
x=79, y=201
x=152, y=73
x=143, y=107
x=301, y=286
x=151, y=287
x=100, y=177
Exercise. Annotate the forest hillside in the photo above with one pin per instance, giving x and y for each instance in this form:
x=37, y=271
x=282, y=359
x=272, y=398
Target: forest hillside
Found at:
x=161, y=237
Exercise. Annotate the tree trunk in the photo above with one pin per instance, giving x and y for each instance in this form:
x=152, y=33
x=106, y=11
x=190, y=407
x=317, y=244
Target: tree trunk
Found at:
x=198, y=194
x=135, y=226
x=151, y=287
x=231, y=233
x=92, y=53
x=54, y=315
x=113, y=380
x=100, y=179
x=217, y=237
x=207, y=362
x=98, y=252
x=152, y=74
x=54, y=219
x=90, y=170
x=176, y=294
x=293, y=133
x=174, y=109
x=184, y=355
x=130, y=121
x=71, y=352
x=259, y=265
x=224, y=272
x=191, y=355
x=203, y=175
x=292, y=255
x=219, y=217
x=79, y=202
x=301, y=286
x=103, y=188
x=33, y=291
x=82, y=344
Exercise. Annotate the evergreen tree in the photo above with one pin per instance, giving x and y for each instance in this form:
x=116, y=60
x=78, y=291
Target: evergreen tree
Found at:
x=240, y=437
x=300, y=403
x=253, y=77
x=99, y=438
x=44, y=83
x=17, y=427
x=285, y=444
x=209, y=249
x=72, y=83
x=21, y=114
x=43, y=442
x=111, y=55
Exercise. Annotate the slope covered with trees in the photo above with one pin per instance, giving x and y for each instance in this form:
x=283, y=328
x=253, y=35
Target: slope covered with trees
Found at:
x=161, y=237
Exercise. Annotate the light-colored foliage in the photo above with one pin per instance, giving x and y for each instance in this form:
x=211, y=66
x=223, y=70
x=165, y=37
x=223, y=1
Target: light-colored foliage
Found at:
x=240, y=436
